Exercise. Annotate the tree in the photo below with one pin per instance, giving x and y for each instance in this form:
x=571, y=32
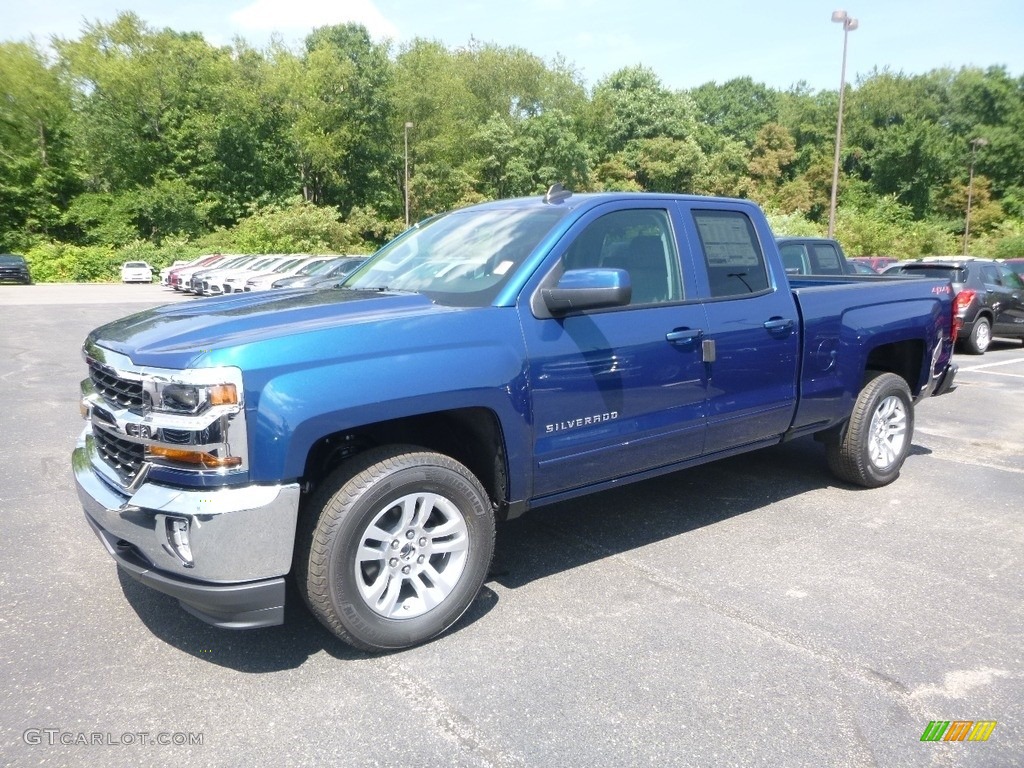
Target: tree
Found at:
x=632, y=104
x=36, y=176
x=143, y=102
x=343, y=128
x=664, y=164
x=502, y=169
x=773, y=153
x=554, y=152
x=255, y=159
x=430, y=92
x=737, y=109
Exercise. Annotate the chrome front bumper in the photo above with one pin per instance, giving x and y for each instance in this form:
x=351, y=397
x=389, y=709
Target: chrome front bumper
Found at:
x=222, y=553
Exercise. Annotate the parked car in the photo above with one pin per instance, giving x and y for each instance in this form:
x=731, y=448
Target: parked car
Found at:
x=813, y=256
x=165, y=273
x=180, y=278
x=989, y=297
x=1017, y=265
x=877, y=263
x=14, y=269
x=861, y=267
x=333, y=270
x=264, y=280
x=136, y=272
x=209, y=281
x=235, y=280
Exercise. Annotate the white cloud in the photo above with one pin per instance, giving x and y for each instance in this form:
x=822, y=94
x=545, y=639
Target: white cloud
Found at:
x=283, y=15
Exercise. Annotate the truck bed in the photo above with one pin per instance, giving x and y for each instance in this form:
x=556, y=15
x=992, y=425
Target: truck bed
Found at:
x=836, y=310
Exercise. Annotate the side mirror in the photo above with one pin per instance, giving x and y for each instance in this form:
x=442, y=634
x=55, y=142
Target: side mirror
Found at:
x=582, y=289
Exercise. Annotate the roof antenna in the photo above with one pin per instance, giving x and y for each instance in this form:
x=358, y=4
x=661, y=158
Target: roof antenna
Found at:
x=557, y=193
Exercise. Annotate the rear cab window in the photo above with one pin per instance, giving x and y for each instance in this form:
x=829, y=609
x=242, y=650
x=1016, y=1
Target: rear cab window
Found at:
x=825, y=260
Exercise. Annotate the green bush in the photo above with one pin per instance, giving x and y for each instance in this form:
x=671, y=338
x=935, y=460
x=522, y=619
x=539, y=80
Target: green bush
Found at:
x=59, y=262
x=299, y=227
x=793, y=225
x=62, y=263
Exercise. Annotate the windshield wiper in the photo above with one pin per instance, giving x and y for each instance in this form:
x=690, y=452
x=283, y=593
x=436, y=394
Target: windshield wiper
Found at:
x=376, y=289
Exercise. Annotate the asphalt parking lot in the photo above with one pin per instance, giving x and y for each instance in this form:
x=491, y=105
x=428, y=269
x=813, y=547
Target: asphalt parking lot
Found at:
x=752, y=612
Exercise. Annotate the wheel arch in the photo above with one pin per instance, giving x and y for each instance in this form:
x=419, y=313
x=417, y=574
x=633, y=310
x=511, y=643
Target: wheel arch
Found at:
x=472, y=436
x=904, y=358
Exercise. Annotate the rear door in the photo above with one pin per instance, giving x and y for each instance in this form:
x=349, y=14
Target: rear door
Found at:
x=753, y=324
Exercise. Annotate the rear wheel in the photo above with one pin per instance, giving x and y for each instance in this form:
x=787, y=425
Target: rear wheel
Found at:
x=878, y=435
x=980, y=338
x=396, y=547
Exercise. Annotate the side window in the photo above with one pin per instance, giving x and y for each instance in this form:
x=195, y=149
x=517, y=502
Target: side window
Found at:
x=794, y=259
x=989, y=274
x=1010, y=278
x=733, y=256
x=638, y=241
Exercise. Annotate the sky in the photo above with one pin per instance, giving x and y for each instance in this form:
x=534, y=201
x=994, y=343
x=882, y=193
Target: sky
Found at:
x=686, y=43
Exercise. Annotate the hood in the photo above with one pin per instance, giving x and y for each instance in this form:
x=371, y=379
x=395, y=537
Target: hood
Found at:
x=177, y=335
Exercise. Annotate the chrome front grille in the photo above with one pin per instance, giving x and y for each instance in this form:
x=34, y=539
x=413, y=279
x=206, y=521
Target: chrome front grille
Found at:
x=127, y=393
x=124, y=456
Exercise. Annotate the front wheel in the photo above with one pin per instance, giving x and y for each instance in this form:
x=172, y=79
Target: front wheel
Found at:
x=397, y=545
x=878, y=435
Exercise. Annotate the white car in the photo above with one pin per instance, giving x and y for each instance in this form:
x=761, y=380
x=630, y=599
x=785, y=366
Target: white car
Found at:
x=234, y=281
x=263, y=281
x=136, y=272
x=165, y=273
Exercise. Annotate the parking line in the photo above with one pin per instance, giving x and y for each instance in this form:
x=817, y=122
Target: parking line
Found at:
x=1016, y=361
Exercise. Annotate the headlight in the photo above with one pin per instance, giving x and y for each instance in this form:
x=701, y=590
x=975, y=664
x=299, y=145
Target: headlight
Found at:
x=181, y=397
x=174, y=397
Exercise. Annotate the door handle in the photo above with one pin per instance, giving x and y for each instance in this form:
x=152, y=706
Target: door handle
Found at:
x=778, y=324
x=683, y=336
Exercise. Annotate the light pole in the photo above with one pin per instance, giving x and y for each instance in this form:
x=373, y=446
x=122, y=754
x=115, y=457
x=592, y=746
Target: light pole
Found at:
x=407, y=127
x=849, y=24
x=975, y=143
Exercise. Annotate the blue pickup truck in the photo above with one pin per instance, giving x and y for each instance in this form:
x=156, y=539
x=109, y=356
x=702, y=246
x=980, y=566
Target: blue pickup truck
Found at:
x=365, y=440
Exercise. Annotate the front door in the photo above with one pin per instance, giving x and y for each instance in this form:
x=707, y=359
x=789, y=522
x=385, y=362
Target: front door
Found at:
x=623, y=390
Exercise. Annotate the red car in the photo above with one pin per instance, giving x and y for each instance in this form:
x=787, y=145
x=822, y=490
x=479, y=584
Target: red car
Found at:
x=178, y=278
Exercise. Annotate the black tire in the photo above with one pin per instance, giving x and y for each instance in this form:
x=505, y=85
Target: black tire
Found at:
x=980, y=338
x=877, y=439
x=429, y=529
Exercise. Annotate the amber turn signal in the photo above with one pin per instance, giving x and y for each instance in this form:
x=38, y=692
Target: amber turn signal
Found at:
x=205, y=460
x=223, y=394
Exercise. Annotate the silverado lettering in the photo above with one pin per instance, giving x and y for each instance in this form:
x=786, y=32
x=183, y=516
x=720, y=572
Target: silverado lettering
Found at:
x=583, y=422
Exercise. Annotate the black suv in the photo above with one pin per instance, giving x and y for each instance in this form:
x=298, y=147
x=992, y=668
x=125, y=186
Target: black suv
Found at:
x=13, y=268
x=813, y=256
x=989, y=297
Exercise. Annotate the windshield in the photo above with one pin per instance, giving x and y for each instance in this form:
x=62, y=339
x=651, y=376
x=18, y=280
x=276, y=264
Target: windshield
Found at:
x=460, y=259
x=314, y=266
x=286, y=265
